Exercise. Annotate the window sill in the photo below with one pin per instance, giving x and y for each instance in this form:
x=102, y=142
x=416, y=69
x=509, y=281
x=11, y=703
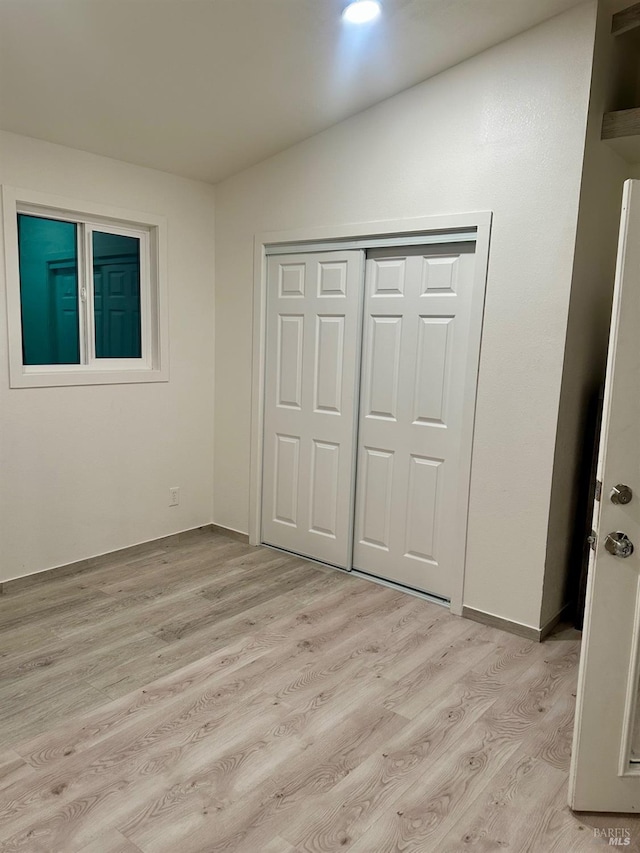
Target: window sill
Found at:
x=34, y=379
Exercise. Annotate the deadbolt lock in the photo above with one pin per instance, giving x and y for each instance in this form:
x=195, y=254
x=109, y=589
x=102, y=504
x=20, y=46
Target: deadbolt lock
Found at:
x=621, y=494
x=619, y=544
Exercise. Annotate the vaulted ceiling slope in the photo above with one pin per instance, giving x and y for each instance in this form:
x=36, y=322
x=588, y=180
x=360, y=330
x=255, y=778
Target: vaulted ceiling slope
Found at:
x=205, y=88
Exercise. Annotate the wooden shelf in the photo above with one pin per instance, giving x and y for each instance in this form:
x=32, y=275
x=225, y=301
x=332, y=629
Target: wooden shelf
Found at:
x=627, y=19
x=621, y=131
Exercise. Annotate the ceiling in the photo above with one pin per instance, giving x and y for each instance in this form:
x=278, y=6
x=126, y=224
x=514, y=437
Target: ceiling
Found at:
x=205, y=88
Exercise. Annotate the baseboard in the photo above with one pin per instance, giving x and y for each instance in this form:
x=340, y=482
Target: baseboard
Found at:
x=518, y=628
x=548, y=627
x=69, y=569
x=231, y=533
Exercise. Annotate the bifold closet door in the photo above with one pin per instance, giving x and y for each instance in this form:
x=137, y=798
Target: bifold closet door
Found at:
x=412, y=480
x=314, y=305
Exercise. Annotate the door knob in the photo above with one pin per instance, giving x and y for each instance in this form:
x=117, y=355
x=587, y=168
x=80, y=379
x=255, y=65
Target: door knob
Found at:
x=621, y=494
x=619, y=544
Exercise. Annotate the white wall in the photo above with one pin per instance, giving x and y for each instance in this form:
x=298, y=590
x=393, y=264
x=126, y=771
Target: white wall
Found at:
x=503, y=131
x=86, y=470
x=585, y=355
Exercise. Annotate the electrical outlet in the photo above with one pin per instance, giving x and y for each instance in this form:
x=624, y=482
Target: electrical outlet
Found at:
x=174, y=495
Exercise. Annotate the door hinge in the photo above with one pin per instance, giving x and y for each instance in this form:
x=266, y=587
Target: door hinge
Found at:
x=598, y=494
x=592, y=539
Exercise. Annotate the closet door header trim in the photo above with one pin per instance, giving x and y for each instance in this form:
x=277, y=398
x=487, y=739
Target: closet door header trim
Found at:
x=401, y=240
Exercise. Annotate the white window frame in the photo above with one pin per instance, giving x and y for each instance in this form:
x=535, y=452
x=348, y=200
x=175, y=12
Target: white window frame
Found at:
x=153, y=366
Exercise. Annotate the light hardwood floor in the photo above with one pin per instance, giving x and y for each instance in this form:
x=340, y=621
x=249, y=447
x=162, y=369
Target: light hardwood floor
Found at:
x=205, y=696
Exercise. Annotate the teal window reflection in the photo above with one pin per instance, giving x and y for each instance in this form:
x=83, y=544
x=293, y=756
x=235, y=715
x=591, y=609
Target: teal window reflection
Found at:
x=116, y=284
x=48, y=255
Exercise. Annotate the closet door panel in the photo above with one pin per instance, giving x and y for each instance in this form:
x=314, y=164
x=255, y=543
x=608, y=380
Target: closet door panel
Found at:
x=289, y=366
x=314, y=305
x=414, y=378
x=383, y=366
x=375, y=506
x=329, y=364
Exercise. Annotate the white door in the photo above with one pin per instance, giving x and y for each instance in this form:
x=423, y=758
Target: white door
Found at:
x=604, y=775
x=313, y=333
x=422, y=321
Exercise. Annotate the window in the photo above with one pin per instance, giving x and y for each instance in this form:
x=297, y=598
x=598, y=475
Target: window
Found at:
x=84, y=293
x=74, y=312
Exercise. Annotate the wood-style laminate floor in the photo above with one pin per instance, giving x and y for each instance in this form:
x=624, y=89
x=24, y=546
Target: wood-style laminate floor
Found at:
x=207, y=696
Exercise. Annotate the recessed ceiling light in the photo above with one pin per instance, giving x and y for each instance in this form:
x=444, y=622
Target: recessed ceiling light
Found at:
x=361, y=11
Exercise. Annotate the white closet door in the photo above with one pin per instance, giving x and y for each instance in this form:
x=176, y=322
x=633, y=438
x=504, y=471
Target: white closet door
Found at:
x=313, y=333
x=417, y=390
